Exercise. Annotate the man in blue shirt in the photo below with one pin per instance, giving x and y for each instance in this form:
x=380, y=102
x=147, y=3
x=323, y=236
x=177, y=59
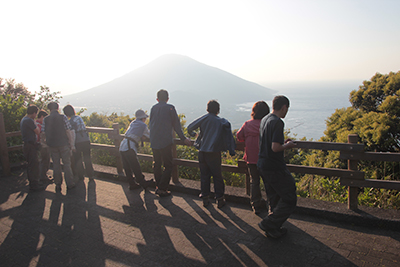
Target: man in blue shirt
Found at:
x=128, y=149
x=163, y=120
x=279, y=183
x=29, y=132
x=215, y=136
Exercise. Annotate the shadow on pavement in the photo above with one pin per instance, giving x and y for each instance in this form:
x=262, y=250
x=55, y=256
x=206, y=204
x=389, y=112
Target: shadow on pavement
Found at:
x=103, y=223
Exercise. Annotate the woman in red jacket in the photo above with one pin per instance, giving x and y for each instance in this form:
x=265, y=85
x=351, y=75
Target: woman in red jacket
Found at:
x=249, y=133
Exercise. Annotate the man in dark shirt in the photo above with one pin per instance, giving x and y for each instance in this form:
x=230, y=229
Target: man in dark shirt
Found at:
x=163, y=120
x=278, y=181
x=60, y=138
x=29, y=132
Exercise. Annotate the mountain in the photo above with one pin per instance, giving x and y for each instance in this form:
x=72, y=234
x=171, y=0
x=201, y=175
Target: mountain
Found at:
x=190, y=85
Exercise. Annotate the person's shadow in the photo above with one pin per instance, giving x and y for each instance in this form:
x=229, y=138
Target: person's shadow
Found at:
x=75, y=235
x=21, y=244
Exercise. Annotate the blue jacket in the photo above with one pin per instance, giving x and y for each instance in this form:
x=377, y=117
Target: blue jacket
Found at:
x=164, y=119
x=215, y=134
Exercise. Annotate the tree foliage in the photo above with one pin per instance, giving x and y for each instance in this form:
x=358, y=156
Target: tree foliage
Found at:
x=8, y=87
x=379, y=102
x=44, y=97
x=14, y=100
x=375, y=117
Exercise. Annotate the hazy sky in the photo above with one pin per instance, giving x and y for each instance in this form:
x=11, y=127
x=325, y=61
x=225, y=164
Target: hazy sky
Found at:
x=72, y=46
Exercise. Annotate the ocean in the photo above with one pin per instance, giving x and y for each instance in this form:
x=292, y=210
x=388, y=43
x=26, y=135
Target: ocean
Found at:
x=311, y=103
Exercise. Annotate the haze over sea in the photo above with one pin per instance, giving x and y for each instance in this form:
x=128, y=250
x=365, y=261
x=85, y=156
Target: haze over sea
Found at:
x=311, y=103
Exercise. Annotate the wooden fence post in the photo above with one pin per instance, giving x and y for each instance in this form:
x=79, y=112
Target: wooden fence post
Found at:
x=243, y=165
x=5, y=160
x=117, y=142
x=352, y=165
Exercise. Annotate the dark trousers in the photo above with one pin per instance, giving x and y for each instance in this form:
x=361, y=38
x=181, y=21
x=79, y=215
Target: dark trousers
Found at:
x=210, y=165
x=281, y=192
x=44, y=162
x=82, y=148
x=132, y=166
x=31, y=156
x=62, y=153
x=255, y=190
x=162, y=157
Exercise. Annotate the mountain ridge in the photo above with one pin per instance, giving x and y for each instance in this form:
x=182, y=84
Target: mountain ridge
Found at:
x=190, y=84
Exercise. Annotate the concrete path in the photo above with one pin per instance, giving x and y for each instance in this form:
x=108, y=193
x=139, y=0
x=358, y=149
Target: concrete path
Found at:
x=103, y=223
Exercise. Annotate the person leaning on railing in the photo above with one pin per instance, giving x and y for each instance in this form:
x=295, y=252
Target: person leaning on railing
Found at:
x=128, y=148
x=215, y=136
x=82, y=145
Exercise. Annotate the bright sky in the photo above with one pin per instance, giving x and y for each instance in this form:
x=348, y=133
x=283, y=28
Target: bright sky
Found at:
x=72, y=45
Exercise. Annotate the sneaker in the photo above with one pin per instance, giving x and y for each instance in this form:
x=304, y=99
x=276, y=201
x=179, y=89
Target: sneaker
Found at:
x=273, y=233
x=163, y=193
x=221, y=202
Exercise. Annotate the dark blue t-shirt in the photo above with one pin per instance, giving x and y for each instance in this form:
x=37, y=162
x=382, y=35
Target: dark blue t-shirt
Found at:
x=271, y=130
x=164, y=119
x=28, y=127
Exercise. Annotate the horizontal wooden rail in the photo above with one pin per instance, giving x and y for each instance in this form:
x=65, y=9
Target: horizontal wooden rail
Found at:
x=14, y=148
x=326, y=171
x=109, y=148
x=394, y=185
x=12, y=134
x=329, y=146
x=100, y=130
x=371, y=156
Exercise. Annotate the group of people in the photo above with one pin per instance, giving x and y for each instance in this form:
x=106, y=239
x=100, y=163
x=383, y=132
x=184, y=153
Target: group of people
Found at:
x=263, y=135
x=264, y=145
x=61, y=137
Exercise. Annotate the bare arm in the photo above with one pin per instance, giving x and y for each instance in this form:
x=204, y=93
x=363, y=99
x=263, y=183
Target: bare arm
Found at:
x=37, y=131
x=71, y=139
x=277, y=147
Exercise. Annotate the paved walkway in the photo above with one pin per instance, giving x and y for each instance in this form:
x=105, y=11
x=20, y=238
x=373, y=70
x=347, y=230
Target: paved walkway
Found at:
x=102, y=223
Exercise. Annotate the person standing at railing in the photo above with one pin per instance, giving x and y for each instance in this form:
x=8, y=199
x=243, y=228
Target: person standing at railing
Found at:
x=136, y=133
x=60, y=137
x=82, y=145
x=215, y=136
x=250, y=134
x=163, y=121
x=279, y=182
x=44, y=150
x=29, y=132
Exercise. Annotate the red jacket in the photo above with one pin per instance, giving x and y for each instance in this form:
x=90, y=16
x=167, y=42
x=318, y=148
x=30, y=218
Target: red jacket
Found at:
x=250, y=134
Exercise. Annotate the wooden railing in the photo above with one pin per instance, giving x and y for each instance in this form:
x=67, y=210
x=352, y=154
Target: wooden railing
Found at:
x=351, y=151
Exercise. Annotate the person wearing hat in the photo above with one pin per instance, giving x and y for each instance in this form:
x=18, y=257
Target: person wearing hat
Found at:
x=137, y=132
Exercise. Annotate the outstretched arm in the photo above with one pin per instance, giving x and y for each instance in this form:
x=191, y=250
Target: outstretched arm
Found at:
x=277, y=147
